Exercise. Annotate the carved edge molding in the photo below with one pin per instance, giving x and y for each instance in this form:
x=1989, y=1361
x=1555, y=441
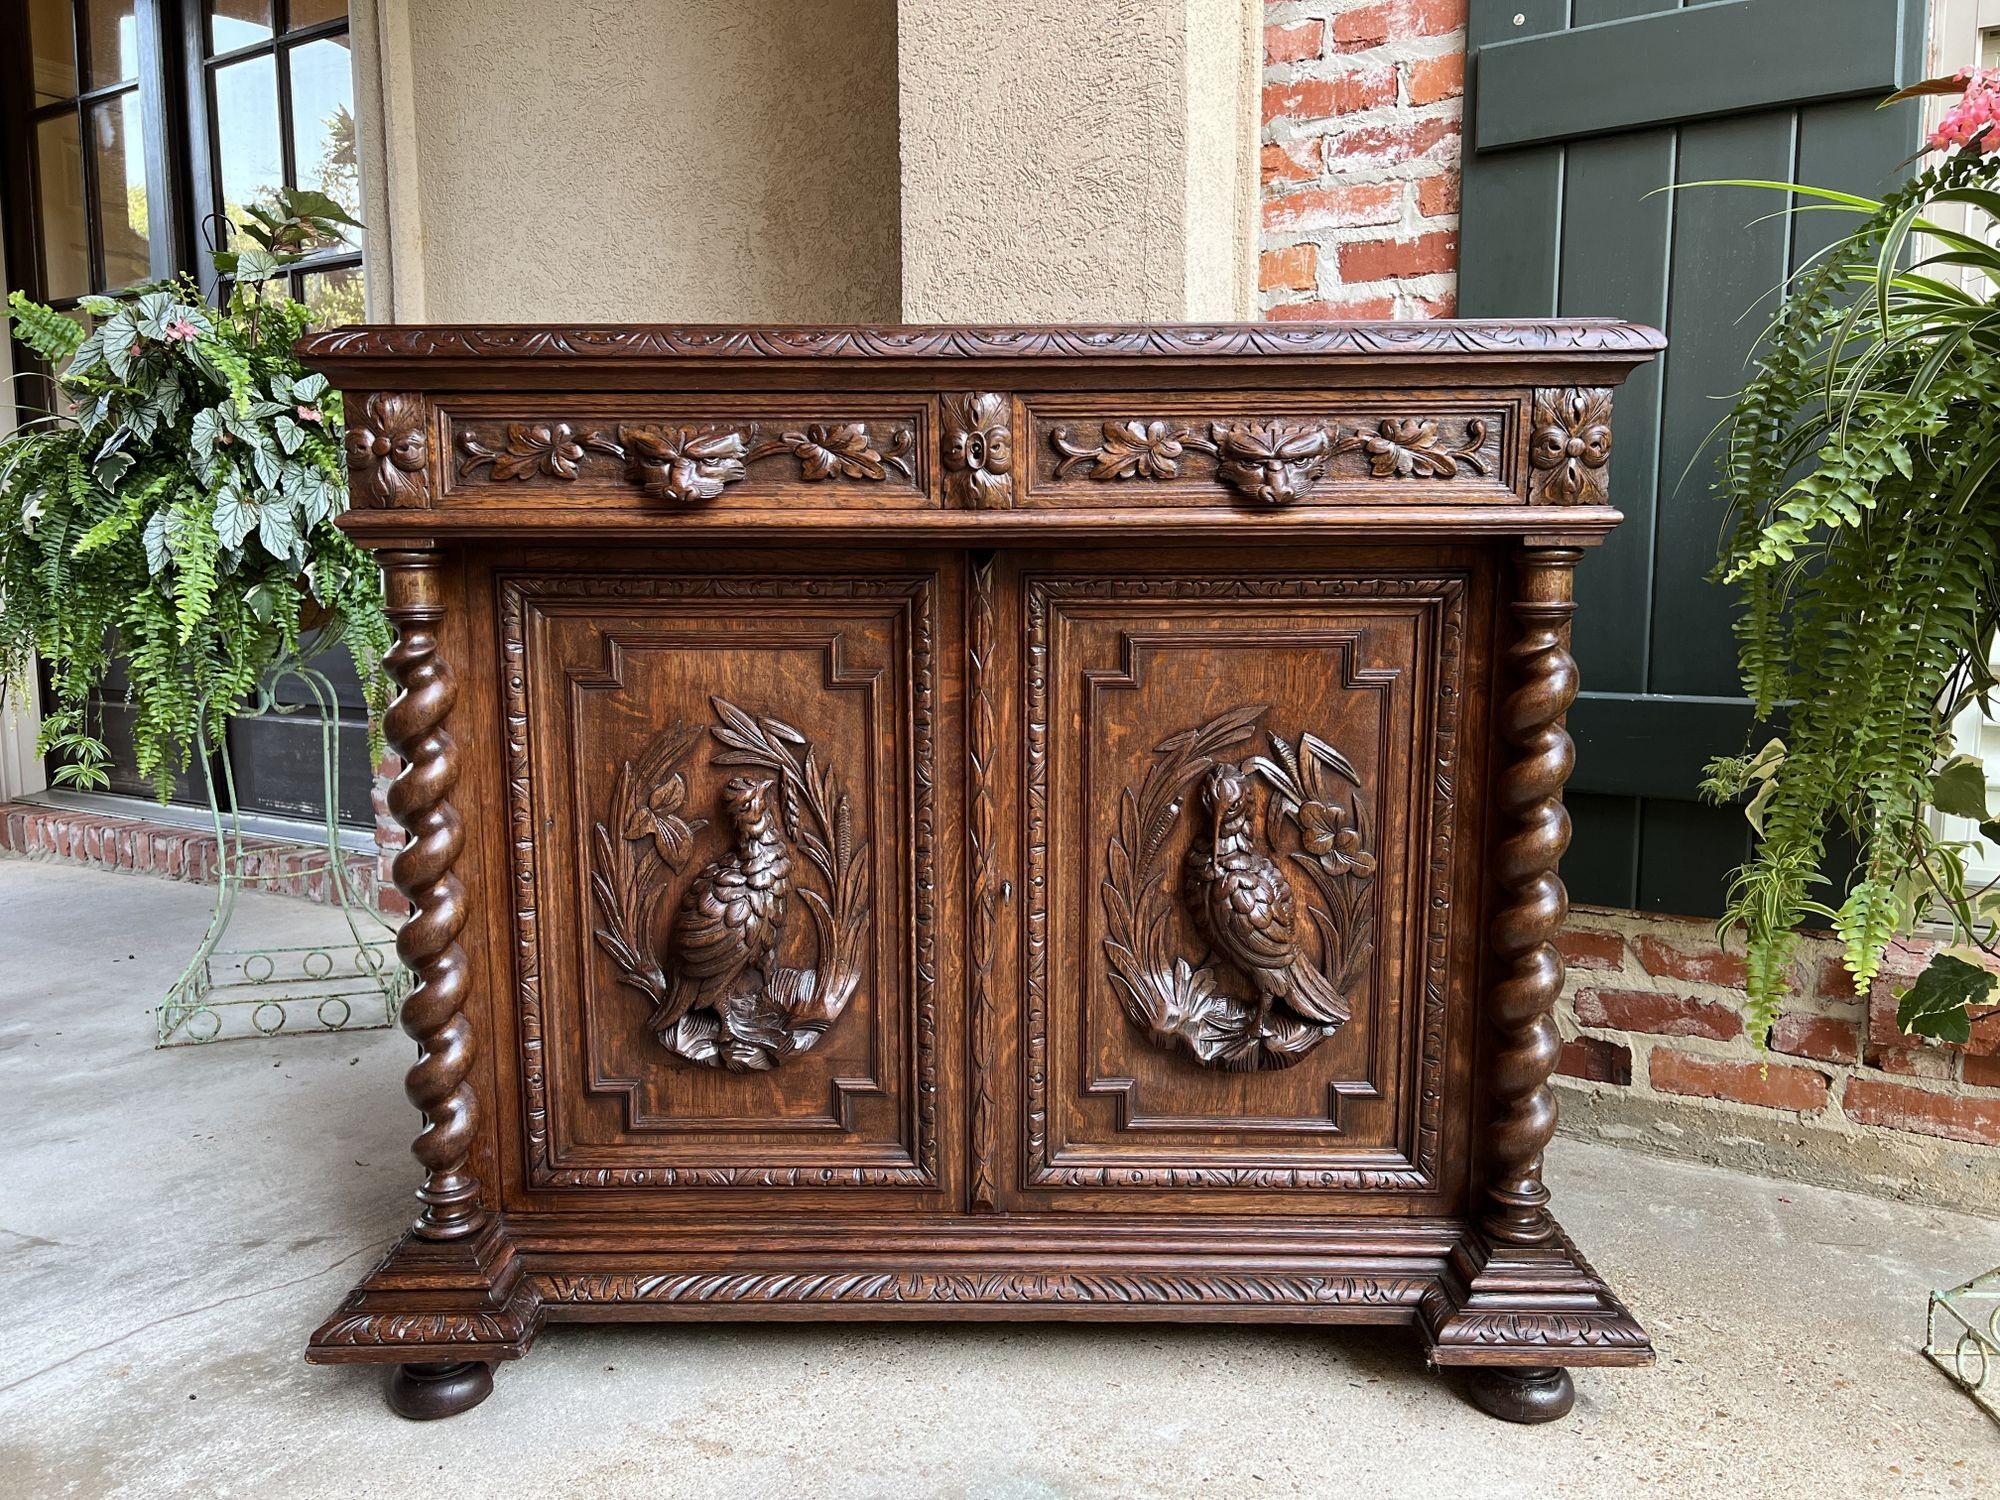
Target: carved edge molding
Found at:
x=419, y=800
x=388, y=451
x=958, y=1288
x=1534, y=832
x=918, y=597
x=1168, y=341
x=686, y=464
x=1274, y=462
x=982, y=854
x=1421, y=1174
x=1569, y=446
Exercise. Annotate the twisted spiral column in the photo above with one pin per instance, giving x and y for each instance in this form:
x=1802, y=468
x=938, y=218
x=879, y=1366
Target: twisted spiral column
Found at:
x=1535, y=832
x=434, y=1013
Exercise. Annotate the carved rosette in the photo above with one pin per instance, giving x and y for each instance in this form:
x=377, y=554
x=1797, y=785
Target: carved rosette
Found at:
x=387, y=449
x=419, y=800
x=1271, y=463
x=721, y=993
x=1284, y=999
x=685, y=465
x=1536, y=832
x=977, y=450
x=1570, y=447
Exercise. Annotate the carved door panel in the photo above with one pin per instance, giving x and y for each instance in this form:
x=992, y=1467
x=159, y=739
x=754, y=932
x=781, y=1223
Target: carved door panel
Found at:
x=1239, y=799
x=725, y=811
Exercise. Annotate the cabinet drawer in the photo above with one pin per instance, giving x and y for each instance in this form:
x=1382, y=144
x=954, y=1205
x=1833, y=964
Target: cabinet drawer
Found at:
x=1285, y=451
x=747, y=455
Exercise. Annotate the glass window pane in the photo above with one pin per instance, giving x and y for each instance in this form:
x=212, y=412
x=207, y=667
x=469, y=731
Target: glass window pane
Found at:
x=323, y=124
x=52, y=40
x=238, y=23
x=118, y=141
x=334, y=297
x=246, y=135
x=303, y=13
x=65, y=233
x=114, y=41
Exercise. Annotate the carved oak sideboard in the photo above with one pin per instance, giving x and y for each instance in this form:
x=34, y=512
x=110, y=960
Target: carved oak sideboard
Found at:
x=983, y=823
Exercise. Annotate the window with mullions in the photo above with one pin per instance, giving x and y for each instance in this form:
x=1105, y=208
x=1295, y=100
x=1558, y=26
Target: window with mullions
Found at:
x=101, y=211
x=131, y=131
x=274, y=107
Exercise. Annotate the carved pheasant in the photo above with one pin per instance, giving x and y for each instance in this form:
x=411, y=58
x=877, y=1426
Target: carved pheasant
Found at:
x=729, y=920
x=1244, y=906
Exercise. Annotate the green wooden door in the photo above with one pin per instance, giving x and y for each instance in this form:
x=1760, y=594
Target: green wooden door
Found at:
x=1577, y=111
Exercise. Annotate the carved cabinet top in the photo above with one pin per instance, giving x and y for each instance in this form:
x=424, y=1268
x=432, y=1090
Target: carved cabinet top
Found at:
x=930, y=431
x=1526, y=339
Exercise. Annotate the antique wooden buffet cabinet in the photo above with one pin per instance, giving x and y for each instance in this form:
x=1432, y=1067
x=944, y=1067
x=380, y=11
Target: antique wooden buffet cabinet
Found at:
x=1018, y=823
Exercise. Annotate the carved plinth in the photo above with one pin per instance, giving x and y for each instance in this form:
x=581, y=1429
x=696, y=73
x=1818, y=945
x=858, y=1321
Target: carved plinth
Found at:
x=983, y=824
x=435, y=1302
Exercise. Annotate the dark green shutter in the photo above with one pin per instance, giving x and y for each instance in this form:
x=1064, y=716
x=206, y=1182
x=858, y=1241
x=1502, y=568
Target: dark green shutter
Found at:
x=1574, y=117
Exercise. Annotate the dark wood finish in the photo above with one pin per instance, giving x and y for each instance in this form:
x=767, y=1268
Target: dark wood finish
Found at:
x=1052, y=823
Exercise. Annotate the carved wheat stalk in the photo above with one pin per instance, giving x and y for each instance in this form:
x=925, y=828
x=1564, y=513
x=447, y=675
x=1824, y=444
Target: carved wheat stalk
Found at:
x=434, y=1014
x=1524, y=929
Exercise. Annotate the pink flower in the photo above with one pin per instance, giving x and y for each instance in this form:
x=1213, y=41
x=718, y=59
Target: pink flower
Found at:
x=1973, y=122
x=181, y=331
x=310, y=414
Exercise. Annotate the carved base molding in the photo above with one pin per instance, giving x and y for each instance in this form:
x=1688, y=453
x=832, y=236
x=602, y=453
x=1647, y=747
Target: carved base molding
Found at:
x=430, y=1303
x=440, y=1302
x=1534, y=1305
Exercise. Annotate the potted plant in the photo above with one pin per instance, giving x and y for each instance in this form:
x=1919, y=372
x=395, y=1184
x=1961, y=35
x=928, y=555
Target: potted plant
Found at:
x=176, y=513
x=1862, y=463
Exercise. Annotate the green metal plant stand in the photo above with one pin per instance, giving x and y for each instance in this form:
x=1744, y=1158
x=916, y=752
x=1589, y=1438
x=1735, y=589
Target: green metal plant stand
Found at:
x=350, y=982
x=1963, y=1338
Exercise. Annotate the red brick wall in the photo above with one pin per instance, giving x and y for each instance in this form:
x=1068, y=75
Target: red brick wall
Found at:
x=1652, y=1007
x=1360, y=158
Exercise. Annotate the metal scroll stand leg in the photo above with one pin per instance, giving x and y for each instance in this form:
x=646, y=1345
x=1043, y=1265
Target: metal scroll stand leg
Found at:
x=346, y=983
x=1963, y=1338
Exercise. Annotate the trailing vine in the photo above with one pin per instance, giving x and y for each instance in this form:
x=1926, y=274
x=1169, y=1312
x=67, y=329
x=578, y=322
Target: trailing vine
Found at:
x=1860, y=463
x=175, y=513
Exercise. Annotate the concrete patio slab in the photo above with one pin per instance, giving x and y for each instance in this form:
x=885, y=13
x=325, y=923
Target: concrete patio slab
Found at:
x=176, y=1222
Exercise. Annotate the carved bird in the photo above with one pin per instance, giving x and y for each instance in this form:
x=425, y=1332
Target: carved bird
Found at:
x=1244, y=906
x=732, y=913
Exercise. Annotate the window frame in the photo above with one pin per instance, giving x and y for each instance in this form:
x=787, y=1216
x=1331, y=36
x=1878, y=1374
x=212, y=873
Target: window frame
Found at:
x=168, y=247
x=204, y=147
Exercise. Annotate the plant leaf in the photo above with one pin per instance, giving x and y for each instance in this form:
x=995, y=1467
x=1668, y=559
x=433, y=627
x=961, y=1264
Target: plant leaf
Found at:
x=1935, y=1006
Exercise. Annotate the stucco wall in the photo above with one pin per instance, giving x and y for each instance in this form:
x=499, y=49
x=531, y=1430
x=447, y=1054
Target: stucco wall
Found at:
x=693, y=160
x=1074, y=159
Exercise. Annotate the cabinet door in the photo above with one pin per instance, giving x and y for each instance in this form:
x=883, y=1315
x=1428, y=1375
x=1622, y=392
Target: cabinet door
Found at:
x=725, y=810
x=1238, y=969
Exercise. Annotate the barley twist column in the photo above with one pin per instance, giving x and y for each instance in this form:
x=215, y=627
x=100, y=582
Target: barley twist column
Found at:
x=434, y=1013
x=1535, y=834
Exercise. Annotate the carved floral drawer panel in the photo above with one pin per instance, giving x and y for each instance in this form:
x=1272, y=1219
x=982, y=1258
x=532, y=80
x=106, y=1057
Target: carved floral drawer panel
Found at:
x=983, y=823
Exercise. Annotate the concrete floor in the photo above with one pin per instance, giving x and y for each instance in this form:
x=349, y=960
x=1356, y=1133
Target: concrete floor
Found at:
x=176, y=1222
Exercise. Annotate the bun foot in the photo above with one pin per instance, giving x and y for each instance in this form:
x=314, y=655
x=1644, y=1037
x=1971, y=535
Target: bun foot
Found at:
x=1523, y=1395
x=423, y=1393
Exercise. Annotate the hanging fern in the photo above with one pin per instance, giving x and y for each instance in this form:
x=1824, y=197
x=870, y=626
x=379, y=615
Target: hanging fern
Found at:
x=1862, y=464
x=178, y=514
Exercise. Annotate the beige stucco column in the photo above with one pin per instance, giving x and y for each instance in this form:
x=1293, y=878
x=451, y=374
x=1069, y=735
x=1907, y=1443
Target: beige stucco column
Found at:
x=1078, y=159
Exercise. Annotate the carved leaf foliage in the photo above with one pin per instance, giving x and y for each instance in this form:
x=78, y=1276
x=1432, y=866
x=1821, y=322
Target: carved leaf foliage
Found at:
x=838, y=451
x=1407, y=448
x=1128, y=449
